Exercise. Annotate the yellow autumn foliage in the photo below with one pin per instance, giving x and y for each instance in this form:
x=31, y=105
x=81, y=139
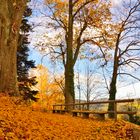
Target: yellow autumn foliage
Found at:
x=18, y=122
x=49, y=90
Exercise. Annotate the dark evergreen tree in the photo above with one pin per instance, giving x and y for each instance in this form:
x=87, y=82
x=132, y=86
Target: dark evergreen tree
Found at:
x=23, y=64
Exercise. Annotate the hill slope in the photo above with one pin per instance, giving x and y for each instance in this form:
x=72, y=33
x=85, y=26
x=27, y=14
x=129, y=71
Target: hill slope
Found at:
x=21, y=123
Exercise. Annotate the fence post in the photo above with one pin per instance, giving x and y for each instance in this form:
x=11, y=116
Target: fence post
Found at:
x=115, y=110
x=83, y=107
x=53, y=109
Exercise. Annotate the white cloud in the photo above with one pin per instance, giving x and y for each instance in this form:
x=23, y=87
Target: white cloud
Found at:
x=131, y=91
x=116, y=2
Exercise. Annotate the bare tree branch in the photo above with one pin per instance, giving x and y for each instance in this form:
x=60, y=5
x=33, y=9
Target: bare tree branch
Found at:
x=129, y=75
x=82, y=6
x=78, y=42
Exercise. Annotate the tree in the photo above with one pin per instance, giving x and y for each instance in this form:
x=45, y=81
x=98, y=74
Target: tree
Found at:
x=50, y=89
x=92, y=84
x=11, y=13
x=23, y=64
x=125, y=39
x=73, y=20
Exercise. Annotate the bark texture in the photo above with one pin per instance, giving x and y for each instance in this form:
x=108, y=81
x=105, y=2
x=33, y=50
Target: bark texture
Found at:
x=112, y=95
x=11, y=12
x=69, y=67
x=113, y=90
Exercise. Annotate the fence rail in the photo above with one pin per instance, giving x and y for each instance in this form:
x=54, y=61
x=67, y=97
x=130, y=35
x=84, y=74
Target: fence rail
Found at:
x=63, y=107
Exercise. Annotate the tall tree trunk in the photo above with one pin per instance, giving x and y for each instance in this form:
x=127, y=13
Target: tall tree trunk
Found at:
x=11, y=12
x=69, y=68
x=112, y=95
x=113, y=90
x=69, y=85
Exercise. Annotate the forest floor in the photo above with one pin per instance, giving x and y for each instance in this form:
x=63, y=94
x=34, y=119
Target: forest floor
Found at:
x=19, y=122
